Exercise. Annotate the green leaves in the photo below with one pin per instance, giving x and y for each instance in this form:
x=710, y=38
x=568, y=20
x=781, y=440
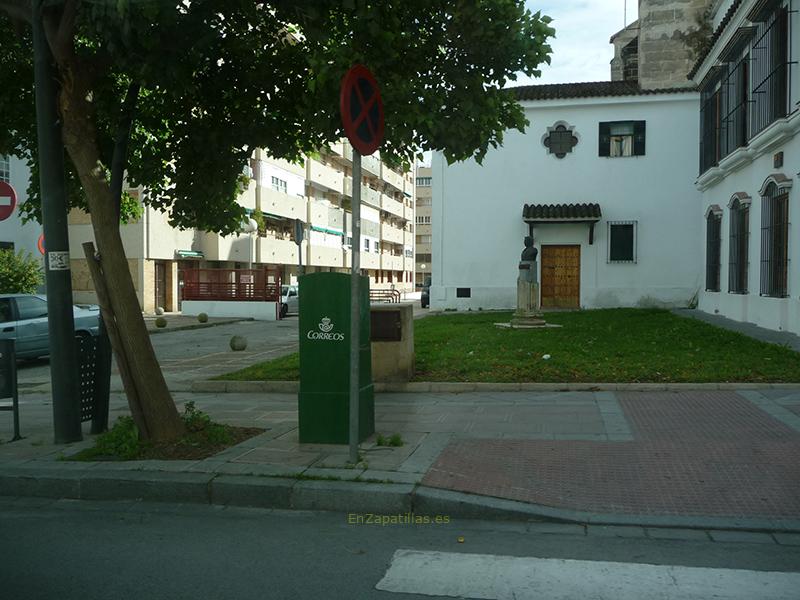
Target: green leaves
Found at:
x=19, y=273
x=220, y=79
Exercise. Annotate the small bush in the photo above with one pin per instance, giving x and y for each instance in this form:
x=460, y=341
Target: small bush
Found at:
x=19, y=273
x=121, y=442
x=394, y=441
x=161, y=322
x=197, y=421
x=202, y=317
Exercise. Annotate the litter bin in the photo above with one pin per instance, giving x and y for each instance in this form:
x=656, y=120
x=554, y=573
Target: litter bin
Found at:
x=94, y=374
x=324, y=397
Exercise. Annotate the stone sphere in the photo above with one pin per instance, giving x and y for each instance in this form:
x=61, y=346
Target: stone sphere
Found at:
x=161, y=322
x=202, y=317
x=238, y=343
x=159, y=310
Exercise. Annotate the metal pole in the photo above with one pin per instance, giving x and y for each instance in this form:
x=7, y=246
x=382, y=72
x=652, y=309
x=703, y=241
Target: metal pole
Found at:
x=355, y=308
x=61, y=324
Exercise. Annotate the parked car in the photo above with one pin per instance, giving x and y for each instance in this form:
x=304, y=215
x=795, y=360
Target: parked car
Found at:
x=289, y=300
x=24, y=318
x=426, y=293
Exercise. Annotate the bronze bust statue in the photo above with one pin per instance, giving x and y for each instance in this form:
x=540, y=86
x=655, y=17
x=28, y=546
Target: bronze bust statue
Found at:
x=530, y=253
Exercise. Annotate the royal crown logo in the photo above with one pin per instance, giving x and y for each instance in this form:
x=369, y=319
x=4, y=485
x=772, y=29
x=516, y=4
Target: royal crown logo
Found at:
x=325, y=326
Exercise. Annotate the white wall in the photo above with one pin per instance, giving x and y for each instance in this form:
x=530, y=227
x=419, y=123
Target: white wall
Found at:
x=295, y=185
x=774, y=313
x=477, y=210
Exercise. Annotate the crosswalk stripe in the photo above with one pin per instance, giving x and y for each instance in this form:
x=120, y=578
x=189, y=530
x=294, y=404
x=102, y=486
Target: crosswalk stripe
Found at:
x=491, y=577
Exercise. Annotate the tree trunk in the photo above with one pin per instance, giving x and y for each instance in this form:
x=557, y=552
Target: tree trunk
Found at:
x=80, y=138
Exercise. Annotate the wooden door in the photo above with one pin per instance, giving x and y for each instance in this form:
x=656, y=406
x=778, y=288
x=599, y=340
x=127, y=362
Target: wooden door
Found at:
x=161, y=285
x=561, y=276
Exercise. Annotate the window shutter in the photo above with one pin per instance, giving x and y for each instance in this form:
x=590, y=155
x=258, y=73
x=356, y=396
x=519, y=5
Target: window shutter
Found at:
x=605, y=140
x=638, y=137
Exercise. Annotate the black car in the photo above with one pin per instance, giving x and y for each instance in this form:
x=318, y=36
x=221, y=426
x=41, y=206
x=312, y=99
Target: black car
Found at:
x=426, y=293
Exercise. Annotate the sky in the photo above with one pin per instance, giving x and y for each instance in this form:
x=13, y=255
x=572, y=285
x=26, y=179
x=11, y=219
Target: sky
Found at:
x=581, y=51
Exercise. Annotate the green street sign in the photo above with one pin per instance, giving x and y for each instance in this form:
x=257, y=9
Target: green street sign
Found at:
x=323, y=400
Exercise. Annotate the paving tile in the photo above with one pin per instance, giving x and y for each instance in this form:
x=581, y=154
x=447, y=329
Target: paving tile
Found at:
x=615, y=531
x=280, y=457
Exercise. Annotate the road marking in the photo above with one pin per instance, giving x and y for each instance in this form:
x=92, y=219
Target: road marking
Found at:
x=491, y=577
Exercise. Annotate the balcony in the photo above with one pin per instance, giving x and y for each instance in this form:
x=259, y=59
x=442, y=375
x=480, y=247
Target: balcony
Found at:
x=348, y=186
x=277, y=251
x=297, y=169
x=324, y=256
x=393, y=178
x=247, y=198
x=390, y=262
x=371, y=165
x=408, y=213
x=391, y=234
x=283, y=205
x=370, y=228
x=370, y=196
x=238, y=248
x=392, y=206
x=325, y=176
x=408, y=239
x=369, y=260
x=409, y=265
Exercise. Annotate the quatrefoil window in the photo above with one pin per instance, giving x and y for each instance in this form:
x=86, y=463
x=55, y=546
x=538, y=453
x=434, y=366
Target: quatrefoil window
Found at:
x=560, y=139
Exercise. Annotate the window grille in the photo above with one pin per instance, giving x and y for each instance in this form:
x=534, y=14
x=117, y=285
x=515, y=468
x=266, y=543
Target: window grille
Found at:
x=713, y=250
x=738, y=250
x=775, y=241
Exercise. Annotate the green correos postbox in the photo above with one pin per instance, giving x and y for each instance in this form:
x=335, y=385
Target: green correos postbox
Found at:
x=324, y=398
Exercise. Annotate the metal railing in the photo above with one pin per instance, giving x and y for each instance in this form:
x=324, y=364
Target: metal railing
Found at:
x=254, y=285
x=738, y=248
x=384, y=295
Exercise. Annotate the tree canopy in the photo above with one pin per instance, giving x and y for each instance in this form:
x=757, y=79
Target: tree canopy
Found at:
x=211, y=81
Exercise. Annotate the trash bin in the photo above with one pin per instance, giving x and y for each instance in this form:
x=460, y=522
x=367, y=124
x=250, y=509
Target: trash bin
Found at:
x=94, y=379
x=324, y=397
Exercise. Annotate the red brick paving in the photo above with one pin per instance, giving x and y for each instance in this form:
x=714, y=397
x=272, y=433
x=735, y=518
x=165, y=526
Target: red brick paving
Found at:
x=695, y=453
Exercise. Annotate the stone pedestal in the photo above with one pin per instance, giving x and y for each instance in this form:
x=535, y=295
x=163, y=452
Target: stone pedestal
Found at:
x=527, y=313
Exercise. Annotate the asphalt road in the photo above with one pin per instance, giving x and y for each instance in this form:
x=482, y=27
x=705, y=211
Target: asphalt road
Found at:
x=86, y=550
x=180, y=352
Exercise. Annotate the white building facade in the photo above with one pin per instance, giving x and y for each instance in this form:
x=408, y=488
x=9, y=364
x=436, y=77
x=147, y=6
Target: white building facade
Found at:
x=606, y=171
x=749, y=163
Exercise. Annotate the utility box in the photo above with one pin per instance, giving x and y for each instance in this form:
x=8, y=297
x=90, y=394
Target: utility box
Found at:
x=392, y=341
x=324, y=397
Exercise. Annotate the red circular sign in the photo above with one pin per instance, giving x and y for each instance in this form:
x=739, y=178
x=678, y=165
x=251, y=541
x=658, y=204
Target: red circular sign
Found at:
x=40, y=244
x=362, y=110
x=8, y=200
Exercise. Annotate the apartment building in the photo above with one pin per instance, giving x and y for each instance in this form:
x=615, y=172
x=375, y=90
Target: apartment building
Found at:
x=423, y=221
x=318, y=192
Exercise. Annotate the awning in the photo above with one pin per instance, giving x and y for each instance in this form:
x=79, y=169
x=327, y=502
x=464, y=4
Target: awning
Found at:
x=562, y=213
x=327, y=230
x=189, y=254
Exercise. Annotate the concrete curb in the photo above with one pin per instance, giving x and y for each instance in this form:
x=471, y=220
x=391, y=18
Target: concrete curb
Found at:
x=444, y=387
x=88, y=481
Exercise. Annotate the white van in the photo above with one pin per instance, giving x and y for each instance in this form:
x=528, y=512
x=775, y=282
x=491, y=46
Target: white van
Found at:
x=289, y=300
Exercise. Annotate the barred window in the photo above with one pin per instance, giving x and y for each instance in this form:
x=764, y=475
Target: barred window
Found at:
x=739, y=244
x=713, y=249
x=5, y=169
x=774, y=241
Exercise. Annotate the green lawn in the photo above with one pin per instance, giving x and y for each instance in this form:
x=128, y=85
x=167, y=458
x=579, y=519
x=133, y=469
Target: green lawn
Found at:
x=614, y=345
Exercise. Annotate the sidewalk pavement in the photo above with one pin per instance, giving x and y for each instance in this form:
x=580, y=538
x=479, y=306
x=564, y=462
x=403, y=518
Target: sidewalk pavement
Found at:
x=697, y=459
x=179, y=322
x=782, y=338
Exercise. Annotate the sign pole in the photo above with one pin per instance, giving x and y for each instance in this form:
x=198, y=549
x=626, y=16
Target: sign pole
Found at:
x=60, y=319
x=355, y=306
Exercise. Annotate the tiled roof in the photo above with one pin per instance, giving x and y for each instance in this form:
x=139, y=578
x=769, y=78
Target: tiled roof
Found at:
x=592, y=89
x=566, y=212
x=714, y=37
